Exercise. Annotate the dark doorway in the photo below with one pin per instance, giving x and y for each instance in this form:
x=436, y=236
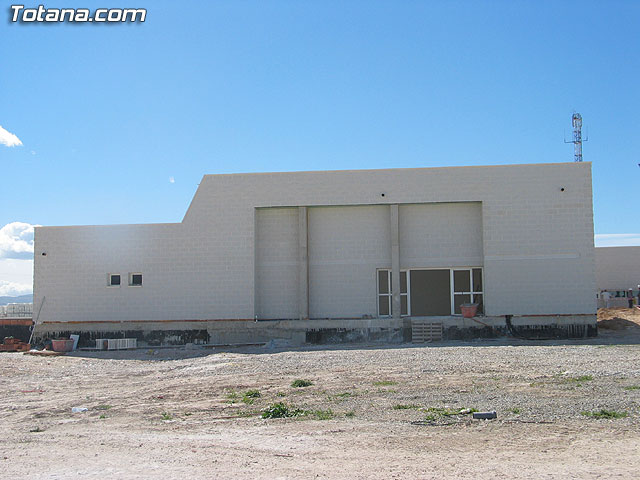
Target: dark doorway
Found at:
x=430, y=292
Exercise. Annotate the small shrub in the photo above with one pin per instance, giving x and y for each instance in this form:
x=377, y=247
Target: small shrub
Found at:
x=581, y=378
x=166, y=416
x=300, y=383
x=103, y=407
x=350, y=414
x=103, y=416
x=281, y=410
x=515, y=410
x=578, y=380
x=250, y=396
x=603, y=413
x=233, y=397
x=402, y=406
x=385, y=383
x=322, y=414
x=632, y=387
x=345, y=395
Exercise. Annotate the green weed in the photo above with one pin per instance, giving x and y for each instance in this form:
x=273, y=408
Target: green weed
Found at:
x=300, y=383
x=384, y=383
x=345, y=395
x=402, y=406
x=233, y=397
x=603, y=413
x=321, y=414
x=281, y=410
x=250, y=396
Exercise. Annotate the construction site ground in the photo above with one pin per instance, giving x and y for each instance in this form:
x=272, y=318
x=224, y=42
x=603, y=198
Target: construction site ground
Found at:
x=565, y=409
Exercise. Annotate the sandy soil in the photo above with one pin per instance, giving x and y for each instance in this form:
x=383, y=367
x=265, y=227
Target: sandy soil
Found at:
x=619, y=318
x=372, y=412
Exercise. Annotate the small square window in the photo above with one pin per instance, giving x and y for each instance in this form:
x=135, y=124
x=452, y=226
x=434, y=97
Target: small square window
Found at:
x=135, y=279
x=113, y=280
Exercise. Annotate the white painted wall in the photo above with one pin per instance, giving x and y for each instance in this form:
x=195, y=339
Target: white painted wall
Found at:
x=617, y=268
x=346, y=246
x=277, y=263
x=537, y=244
x=441, y=235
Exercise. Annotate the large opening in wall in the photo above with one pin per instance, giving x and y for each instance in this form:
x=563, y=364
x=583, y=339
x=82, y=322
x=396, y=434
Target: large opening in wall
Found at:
x=431, y=292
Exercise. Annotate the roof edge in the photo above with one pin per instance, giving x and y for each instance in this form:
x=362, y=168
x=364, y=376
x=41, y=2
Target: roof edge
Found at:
x=396, y=169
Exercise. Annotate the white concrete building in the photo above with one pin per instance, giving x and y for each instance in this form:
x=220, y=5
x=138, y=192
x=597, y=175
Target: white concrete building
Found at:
x=617, y=271
x=315, y=256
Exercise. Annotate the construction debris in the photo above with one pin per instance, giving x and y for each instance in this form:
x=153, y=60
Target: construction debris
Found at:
x=485, y=415
x=14, y=345
x=44, y=353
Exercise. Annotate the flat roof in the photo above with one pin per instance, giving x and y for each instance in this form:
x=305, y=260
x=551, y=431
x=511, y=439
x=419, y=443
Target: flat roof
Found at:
x=510, y=165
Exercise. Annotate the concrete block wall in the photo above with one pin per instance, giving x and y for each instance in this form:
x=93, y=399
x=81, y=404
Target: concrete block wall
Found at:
x=536, y=223
x=277, y=263
x=178, y=267
x=617, y=268
x=441, y=235
x=346, y=246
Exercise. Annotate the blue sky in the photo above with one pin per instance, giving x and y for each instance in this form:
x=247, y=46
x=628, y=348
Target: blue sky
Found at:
x=107, y=114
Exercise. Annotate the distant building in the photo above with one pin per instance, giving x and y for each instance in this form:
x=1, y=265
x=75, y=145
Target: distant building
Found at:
x=16, y=310
x=617, y=271
x=332, y=256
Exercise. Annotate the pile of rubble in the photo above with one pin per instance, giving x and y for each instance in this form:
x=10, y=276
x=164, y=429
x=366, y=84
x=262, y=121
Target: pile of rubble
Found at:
x=14, y=345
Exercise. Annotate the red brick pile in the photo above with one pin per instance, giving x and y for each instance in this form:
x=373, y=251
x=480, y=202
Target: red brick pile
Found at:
x=14, y=345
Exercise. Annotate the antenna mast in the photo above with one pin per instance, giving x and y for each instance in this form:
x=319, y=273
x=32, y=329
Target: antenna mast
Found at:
x=576, y=121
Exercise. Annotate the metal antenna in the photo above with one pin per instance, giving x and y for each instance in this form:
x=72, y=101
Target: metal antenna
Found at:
x=576, y=121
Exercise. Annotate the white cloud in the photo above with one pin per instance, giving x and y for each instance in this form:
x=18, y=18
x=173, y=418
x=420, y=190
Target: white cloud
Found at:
x=13, y=289
x=16, y=275
x=16, y=240
x=172, y=180
x=8, y=138
x=617, y=239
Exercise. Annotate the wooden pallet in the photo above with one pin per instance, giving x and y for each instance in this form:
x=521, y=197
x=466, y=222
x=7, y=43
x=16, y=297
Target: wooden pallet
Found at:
x=422, y=332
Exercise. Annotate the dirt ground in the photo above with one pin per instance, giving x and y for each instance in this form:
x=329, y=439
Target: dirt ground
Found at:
x=371, y=412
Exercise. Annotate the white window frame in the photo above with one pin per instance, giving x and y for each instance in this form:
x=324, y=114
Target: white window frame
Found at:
x=471, y=293
x=390, y=293
x=452, y=291
x=131, y=274
x=109, y=284
x=406, y=294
